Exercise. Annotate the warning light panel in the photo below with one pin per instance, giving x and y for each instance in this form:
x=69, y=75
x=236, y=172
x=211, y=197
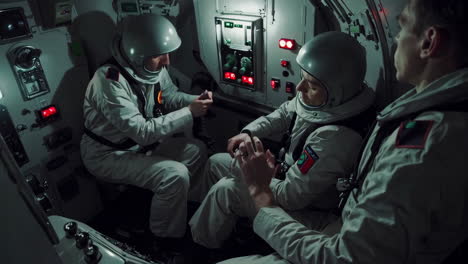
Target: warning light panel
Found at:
x=289, y=44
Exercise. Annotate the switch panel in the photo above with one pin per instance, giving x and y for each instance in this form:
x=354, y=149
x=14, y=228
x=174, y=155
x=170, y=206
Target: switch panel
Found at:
x=8, y=131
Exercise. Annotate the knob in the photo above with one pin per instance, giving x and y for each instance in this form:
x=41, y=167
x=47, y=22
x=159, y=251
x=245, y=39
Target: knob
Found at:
x=70, y=229
x=92, y=254
x=26, y=56
x=82, y=240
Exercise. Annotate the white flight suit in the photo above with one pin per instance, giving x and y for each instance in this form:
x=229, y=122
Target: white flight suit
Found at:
x=112, y=111
x=336, y=148
x=413, y=205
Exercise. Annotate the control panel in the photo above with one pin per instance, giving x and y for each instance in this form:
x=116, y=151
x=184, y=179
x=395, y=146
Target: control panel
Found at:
x=79, y=243
x=136, y=7
x=240, y=43
x=28, y=71
x=8, y=131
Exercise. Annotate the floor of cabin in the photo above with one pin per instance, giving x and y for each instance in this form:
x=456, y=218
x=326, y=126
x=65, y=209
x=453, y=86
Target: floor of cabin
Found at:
x=126, y=220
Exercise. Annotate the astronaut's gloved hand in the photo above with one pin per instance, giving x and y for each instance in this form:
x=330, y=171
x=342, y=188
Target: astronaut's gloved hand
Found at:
x=199, y=107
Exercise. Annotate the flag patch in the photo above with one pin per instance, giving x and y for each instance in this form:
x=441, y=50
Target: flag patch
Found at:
x=112, y=74
x=307, y=159
x=413, y=134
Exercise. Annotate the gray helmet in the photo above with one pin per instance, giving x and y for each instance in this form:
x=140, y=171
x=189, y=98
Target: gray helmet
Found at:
x=338, y=61
x=147, y=35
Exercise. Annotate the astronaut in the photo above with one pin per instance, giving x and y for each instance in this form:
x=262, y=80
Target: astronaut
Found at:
x=409, y=204
x=325, y=123
x=130, y=136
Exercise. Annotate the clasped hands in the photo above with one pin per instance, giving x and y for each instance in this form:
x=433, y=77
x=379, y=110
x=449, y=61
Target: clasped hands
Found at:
x=257, y=165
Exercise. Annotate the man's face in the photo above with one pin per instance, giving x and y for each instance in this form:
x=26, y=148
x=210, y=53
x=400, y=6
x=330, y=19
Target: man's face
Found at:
x=312, y=91
x=157, y=62
x=408, y=62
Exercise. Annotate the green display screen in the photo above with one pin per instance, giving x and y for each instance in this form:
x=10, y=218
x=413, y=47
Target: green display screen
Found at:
x=238, y=26
x=228, y=24
x=129, y=7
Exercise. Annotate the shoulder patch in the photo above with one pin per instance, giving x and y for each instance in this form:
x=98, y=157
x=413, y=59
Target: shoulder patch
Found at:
x=112, y=74
x=307, y=159
x=413, y=134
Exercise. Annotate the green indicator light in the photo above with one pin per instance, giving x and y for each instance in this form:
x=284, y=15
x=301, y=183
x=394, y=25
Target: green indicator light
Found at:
x=228, y=24
x=238, y=26
x=228, y=41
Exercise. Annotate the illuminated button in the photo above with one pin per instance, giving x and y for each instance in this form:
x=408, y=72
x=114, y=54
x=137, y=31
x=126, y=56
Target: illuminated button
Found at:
x=290, y=87
x=282, y=43
x=284, y=63
x=48, y=113
x=275, y=83
x=248, y=80
x=230, y=76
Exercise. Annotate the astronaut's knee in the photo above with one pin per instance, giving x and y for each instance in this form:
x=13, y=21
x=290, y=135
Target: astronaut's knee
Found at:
x=175, y=179
x=224, y=189
x=219, y=162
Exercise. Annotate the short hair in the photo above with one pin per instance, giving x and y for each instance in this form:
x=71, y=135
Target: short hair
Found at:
x=451, y=15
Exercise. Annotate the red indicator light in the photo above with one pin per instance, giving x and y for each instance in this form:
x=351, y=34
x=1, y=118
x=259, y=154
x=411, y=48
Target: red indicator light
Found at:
x=284, y=63
x=248, y=80
x=48, y=112
x=275, y=83
x=287, y=44
x=282, y=43
x=230, y=75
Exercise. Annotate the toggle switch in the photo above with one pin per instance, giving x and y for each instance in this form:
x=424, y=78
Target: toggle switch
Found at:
x=70, y=229
x=275, y=83
x=290, y=87
x=82, y=240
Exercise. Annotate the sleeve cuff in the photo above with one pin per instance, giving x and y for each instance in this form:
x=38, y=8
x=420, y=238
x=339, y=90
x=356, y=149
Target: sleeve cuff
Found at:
x=266, y=219
x=248, y=132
